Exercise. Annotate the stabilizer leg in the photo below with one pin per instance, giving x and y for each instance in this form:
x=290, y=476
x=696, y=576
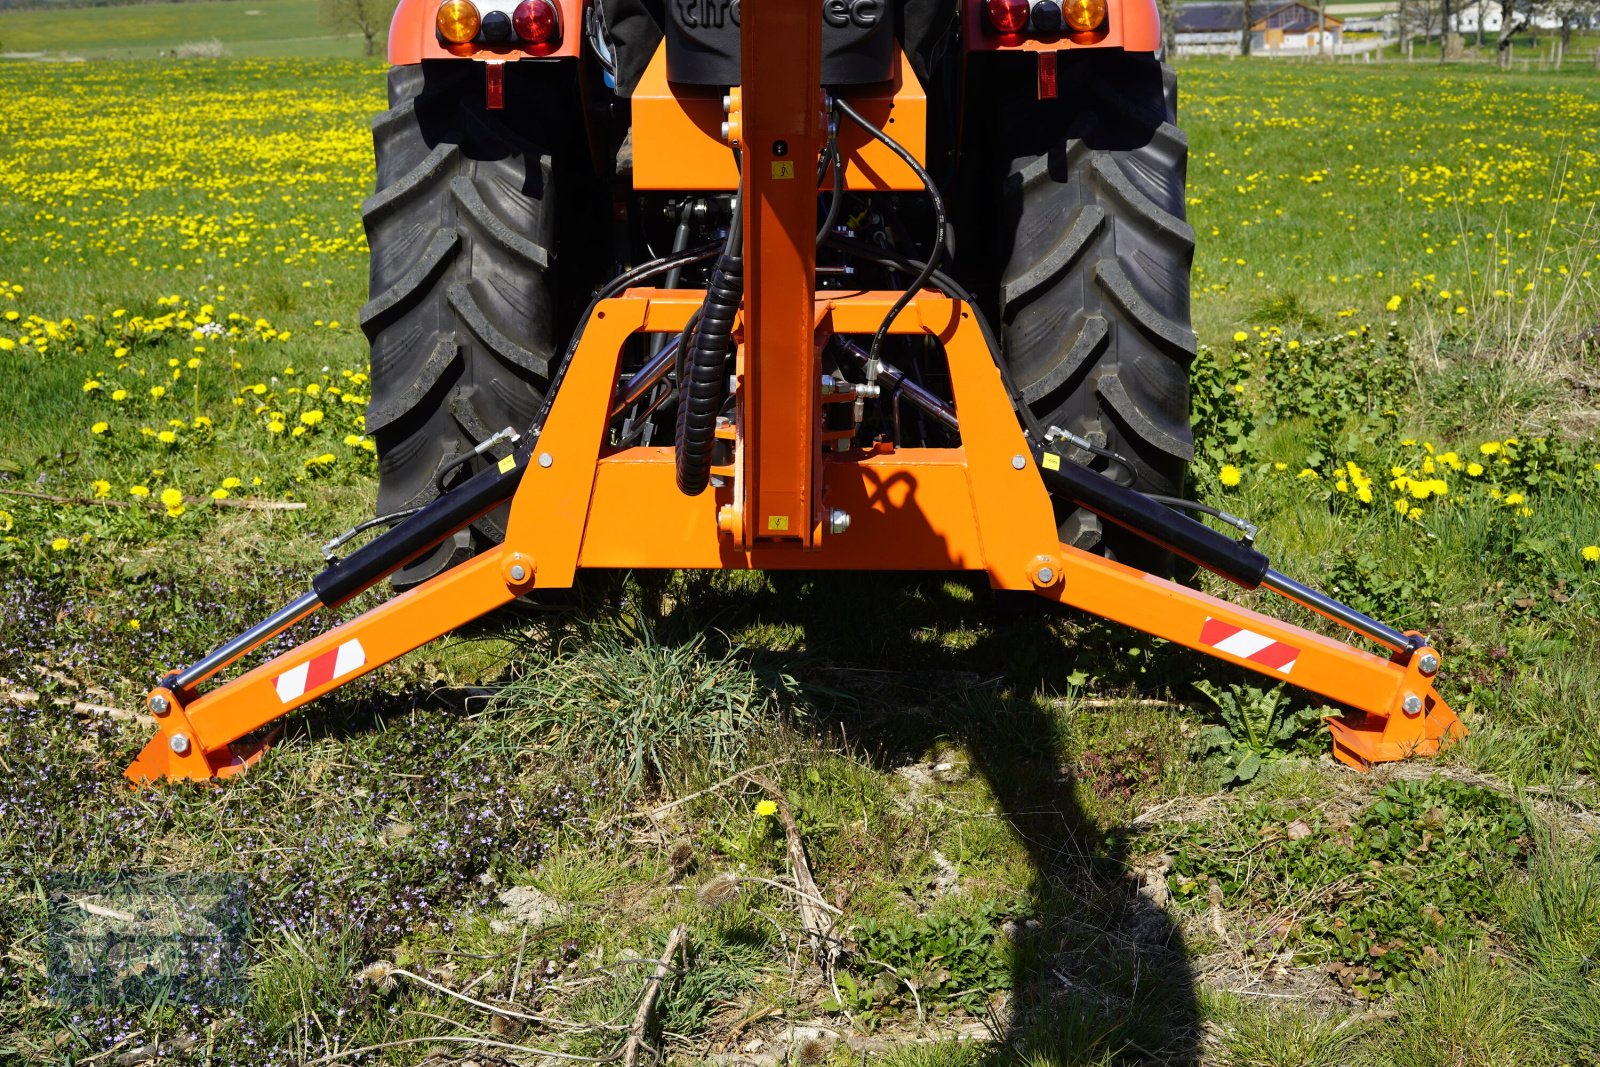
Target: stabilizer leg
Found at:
x=194, y=738
x=1397, y=712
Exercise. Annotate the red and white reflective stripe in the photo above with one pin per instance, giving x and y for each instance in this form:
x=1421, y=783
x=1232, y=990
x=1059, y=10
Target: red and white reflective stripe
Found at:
x=315, y=673
x=1257, y=648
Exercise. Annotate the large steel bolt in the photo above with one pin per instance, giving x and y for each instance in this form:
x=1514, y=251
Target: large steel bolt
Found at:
x=159, y=705
x=546, y=459
x=519, y=573
x=838, y=521
x=1018, y=462
x=179, y=744
x=1428, y=664
x=1412, y=704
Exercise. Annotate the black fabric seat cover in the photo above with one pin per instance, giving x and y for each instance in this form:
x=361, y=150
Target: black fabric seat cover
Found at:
x=634, y=28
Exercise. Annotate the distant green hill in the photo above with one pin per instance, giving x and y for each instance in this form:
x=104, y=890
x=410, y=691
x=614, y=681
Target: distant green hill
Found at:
x=135, y=31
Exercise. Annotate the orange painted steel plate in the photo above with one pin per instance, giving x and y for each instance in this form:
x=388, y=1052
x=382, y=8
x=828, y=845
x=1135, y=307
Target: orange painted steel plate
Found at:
x=677, y=134
x=910, y=510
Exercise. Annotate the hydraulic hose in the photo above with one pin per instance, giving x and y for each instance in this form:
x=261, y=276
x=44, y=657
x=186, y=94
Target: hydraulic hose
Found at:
x=703, y=381
x=939, y=229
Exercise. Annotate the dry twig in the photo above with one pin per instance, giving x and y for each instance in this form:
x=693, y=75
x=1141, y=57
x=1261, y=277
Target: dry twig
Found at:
x=641, y=1019
x=813, y=915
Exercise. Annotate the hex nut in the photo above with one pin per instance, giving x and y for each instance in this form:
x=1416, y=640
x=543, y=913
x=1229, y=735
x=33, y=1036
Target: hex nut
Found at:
x=159, y=705
x=179, y=744
x=1428, y=663
x=1412, y=704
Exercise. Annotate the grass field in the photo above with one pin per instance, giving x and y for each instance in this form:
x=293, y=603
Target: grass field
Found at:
x=144, y=31
x=1045, y=842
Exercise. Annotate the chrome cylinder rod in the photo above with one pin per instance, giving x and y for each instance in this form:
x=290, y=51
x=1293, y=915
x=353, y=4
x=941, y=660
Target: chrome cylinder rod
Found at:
x=1325, y=605
x=640, y=383
x=895, y=381
x=265, y=630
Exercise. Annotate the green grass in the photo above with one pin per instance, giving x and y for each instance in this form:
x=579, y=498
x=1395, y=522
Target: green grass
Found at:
x=1020, y=820
x=247, y=29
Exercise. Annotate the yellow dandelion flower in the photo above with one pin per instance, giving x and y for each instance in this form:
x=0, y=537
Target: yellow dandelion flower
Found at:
x=1513, y=499
x=1591, y=553
x=171, y=497
x=766, y=808
x=139, y=490
x=231, y=483
x=1230, y=475
x=157, y=392
x=166, y=437
x=1489, y=448
x=274, y=426
x=60, y=544
x=312, y=417
x=119, y=395
x=1241, y=336
x=99, y=427
x=1394, y=303
x=219, y=494
x=1474, y=470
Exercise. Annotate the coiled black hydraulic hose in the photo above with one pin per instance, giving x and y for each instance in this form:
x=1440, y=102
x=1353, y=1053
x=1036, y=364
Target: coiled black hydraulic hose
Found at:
x=703, y=381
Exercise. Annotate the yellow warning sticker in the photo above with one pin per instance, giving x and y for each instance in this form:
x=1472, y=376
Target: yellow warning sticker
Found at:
x=1052, y=462
x=777, y=522
x=783, y=172
x=508, y=464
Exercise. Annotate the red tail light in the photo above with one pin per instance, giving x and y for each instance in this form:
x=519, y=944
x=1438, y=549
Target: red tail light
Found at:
x=1007, y=16
x=537, y=22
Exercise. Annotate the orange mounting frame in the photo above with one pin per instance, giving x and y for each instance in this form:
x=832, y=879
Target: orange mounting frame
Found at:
x=982, y=506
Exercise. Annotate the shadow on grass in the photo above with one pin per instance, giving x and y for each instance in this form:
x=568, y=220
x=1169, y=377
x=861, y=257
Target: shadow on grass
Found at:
x=912, y=663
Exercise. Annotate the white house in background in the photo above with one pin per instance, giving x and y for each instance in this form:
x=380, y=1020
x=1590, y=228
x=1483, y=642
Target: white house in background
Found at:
x=1465, y=15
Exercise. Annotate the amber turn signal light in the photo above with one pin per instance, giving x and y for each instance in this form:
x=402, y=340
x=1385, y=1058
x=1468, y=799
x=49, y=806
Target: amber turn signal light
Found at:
x=1084, y=15
x=458, y=21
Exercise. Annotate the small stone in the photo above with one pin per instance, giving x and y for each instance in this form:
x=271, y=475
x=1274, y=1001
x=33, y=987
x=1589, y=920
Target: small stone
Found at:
x=527, y=906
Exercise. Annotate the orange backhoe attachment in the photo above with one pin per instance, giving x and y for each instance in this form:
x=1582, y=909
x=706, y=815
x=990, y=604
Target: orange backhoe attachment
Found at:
x=796, y=494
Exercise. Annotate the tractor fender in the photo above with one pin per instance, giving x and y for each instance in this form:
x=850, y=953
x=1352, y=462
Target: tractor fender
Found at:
x=413, y=38
x=1131, y=25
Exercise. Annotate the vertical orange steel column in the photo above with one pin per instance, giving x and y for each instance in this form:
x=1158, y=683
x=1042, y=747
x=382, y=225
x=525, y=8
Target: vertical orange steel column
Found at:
x=782, y=136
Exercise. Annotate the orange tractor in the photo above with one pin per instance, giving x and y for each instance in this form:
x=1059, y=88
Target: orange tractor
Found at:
x=881, y=284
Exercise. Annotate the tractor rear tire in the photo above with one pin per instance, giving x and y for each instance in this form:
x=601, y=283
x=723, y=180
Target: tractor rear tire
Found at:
x=462, y=318
x=1094, y=297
